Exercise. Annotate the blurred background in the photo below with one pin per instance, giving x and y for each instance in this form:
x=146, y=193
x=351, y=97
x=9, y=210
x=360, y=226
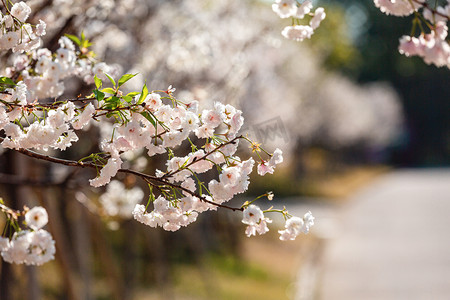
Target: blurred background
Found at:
x=345, y=107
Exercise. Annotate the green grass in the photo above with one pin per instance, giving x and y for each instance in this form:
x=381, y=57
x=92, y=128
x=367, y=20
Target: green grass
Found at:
x=224, y=278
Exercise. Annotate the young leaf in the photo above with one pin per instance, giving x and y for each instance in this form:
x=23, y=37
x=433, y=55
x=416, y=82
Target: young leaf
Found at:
x=114, y=114
x=98, y=82
x=125, y=78
x=132, y=94
x=84, y=41
x=144, y=94
x=7, y=80
x=99, y=95
x=85, y=44
x=74, y=39
x=149, y=117
x=109, y=91
x=112, y=102
x=110, y=79
x=127, y=98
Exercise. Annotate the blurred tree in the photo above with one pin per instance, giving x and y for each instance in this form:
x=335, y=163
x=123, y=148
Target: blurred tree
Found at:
x=423, y=88
x=335, y=44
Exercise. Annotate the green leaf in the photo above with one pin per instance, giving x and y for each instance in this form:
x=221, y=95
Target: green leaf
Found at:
x=85, y=44
x=98, y=82
x=113, y=114
x=125, y=78
x=132, y=94
x=7, y=80
x=112, y=102
x=74, y=39
x=127, y=98
x=144, y=94
x=111, y=79
x=115, y=99
x=99, y=95
x=149, y=117
x=109, y=91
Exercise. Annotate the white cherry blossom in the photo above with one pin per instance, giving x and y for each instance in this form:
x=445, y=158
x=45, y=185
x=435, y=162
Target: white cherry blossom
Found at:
x=36, y=218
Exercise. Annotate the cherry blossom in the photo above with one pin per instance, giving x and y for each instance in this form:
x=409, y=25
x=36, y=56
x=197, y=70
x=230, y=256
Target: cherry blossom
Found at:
x=297, y=11
x=430, y=45
x=30, y=247
x=36, y=218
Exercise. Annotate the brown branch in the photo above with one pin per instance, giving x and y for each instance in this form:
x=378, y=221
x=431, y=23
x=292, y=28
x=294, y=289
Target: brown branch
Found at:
x=107, y=111
x=38, y=9
x=43, y=106
x=147, y=178
x=66, y=28
x=80, y=99
x=6, y=6
x=40, y=106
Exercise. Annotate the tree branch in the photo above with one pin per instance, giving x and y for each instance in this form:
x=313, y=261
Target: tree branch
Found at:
x=202, y=158
x=434, y=11
x=146, y=177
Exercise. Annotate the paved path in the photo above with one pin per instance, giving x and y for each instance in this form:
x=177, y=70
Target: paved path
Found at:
x=391, y=241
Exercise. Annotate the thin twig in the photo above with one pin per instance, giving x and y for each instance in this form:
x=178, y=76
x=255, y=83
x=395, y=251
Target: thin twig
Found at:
x=9, y=211
x=434, y=11
x=202, y=158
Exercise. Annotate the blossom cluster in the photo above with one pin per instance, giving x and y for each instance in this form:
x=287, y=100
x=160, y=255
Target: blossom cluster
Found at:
x=219, y=150
x=120, y=201
x=253, y=216
x=297, y=11
x=158, y=127
x=55, y=131
x=431, y=46
x=168, y=215
x=256, y=222
x=43, y=72
x=30, y=247
x=17, y=35
x=172, y=215
x=295, y=225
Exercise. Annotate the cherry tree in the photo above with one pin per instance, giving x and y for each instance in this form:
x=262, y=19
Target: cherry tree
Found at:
x=146, y=120
x=35, y=119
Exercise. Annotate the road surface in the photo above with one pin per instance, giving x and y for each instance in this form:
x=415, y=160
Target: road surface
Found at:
x=389, y=241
